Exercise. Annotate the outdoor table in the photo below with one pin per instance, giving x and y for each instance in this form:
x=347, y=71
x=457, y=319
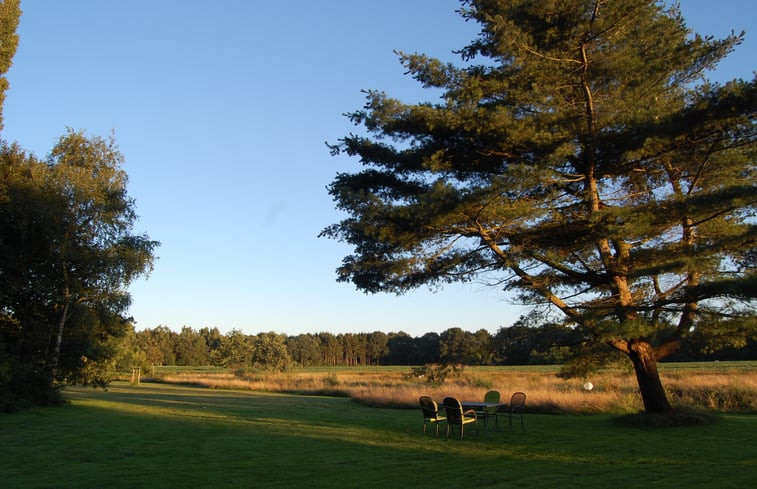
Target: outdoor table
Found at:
x=481, y=407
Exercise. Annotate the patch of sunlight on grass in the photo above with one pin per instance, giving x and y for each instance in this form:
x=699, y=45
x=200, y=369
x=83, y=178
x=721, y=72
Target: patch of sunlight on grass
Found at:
x=328, y=426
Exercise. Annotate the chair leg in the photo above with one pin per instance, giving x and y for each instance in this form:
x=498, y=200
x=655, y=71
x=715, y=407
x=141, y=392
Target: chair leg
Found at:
x=462, y=429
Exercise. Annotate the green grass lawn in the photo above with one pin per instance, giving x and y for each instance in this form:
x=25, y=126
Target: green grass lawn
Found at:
x=162, y=436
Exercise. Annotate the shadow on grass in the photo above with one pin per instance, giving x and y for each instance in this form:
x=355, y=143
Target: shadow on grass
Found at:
x=677, y=417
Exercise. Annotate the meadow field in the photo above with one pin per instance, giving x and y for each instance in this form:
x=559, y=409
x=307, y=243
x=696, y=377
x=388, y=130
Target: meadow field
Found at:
x=712, y=386
x=160, y=435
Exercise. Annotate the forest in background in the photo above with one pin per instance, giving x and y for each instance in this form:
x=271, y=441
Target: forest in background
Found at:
x=519, y=344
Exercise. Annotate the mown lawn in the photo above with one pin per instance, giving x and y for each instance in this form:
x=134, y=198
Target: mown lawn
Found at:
x=163, y=436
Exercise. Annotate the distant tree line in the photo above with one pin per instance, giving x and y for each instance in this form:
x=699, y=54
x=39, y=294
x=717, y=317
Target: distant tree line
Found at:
x=519, y=344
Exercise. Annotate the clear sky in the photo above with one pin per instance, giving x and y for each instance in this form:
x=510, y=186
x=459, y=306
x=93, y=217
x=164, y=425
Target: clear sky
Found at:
x=221, y=110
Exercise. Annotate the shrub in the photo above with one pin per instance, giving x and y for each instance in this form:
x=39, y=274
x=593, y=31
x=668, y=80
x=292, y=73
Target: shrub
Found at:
x=436, y=374
x=22, y=386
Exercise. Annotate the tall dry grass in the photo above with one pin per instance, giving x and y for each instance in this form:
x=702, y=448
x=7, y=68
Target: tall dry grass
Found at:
x=614, y=391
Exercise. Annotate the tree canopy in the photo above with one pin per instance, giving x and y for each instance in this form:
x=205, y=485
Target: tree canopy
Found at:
x=10, y=12
x=67, y=254
x=577, y=157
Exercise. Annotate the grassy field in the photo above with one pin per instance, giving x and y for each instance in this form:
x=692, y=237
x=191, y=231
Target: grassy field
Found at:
x=728, y=387
x=172, y=436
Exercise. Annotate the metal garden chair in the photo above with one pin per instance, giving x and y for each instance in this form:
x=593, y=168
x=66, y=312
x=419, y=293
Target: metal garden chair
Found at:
x=431, y=413
x=457, y=417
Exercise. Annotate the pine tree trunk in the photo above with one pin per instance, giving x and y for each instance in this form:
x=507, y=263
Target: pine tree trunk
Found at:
x=645, y=365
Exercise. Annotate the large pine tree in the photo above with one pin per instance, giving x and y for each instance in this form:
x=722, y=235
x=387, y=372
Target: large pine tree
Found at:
x=579, y=156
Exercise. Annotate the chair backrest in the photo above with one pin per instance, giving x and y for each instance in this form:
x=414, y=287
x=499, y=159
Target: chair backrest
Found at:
x=491, y=396
x=454, y=410
x=429, y=407
x=518, y=402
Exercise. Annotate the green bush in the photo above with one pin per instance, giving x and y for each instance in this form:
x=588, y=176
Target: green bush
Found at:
x=22, y=386
x=436, y=374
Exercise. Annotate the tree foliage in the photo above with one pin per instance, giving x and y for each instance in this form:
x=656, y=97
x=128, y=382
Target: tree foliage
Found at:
x=269, y=352
x=579, y=158
x=522, y=343
x=10, y=11
x=67, y=255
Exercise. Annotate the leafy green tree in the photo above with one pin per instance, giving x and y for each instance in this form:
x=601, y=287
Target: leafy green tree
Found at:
x=482, y=352
x=9, y=368
x=578, y=157
x=304, y=350
x=428, y=348
x=10, y=11
x=236, y=350
x=360, y=352
x=354, y=348
x=128, y=352
x=159, y=345
x=269, y=352
x=402, y=350
x=191, y=349
x=213, y=339
x=458, y=346
x=513, y=344
x=526, y=342
x=376, y=347
x=67, y=255
x=331, y=349
x=453, y=347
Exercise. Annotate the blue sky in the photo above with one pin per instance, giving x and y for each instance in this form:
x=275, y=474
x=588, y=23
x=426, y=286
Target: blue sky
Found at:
x=222, y=110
